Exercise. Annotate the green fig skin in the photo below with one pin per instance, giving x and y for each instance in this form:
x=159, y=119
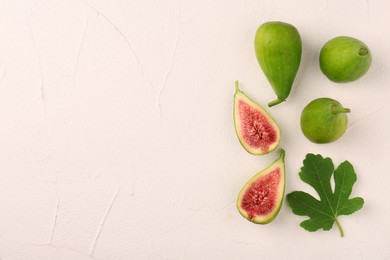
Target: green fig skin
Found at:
x=344, y=59
x=278, y=49
x=324, y=120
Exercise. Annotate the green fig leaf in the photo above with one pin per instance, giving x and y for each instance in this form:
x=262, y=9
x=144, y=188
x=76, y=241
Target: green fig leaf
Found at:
x=317, y=172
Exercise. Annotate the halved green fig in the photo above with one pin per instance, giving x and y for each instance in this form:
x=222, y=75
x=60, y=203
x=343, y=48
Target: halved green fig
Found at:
x=260, y=199
x=256, y=129
x=278, y=50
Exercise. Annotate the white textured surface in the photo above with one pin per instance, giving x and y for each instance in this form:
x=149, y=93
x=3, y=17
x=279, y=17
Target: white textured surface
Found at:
x=117, y=139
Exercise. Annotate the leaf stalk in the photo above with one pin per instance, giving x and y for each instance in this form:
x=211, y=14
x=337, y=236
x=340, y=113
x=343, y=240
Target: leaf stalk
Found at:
x=339, y=226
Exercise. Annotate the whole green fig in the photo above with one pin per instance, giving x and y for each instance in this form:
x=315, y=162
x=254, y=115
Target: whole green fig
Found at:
x=278, y=50
x=324, y=120
x=344, y=59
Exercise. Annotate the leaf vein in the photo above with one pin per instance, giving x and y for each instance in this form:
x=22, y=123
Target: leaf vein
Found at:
x=341, y=188
x=319, y=211
x=323, y=189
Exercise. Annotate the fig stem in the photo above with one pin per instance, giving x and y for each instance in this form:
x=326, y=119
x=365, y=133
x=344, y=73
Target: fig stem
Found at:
x=339, y=226
x=363, y=51
x=236, y=85
x=282, y=154
x=275, y=102
x=337, y=110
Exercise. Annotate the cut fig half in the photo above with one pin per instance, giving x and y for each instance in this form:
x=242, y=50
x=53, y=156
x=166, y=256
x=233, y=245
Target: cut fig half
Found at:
x=256, y=130
x=261, y=198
